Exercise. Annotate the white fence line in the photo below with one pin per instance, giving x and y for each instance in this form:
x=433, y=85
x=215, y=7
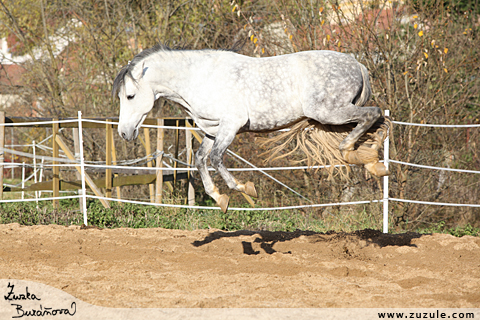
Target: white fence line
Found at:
x=434, y=168
x=306, y=206
x=436, y=203
x=72, y=163
x=40, y=199
x=84, y=165
x=437, y=125
x=144, y=125
x=36, y=123
x=266, y=174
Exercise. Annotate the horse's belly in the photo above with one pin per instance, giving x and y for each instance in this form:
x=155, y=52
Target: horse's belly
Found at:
x=275, y=117
x=208, y=126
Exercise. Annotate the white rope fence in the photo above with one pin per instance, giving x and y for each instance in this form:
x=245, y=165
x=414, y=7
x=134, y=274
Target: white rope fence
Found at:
x=433, y=168
x=386, y=197
x=437, y=125
x=311, y=206
x=130, y=164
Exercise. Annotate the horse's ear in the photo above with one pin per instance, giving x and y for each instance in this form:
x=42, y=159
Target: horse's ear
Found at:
x=144, y=69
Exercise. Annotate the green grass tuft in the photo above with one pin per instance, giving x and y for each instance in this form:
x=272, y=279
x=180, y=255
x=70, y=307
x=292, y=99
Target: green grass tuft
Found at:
x=144, y=216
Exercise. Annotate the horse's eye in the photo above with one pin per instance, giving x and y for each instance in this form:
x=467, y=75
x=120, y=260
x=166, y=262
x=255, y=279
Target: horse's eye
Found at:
x=130, y=97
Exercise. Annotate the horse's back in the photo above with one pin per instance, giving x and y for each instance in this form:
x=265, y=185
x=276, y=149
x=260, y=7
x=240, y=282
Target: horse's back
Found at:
x=331, y=79
x=271, y=92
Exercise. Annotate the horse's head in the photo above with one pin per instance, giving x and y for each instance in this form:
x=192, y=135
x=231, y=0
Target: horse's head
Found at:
x=136, y=100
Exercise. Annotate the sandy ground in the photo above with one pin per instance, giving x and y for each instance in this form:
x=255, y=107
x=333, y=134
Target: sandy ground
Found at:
x=160, y=268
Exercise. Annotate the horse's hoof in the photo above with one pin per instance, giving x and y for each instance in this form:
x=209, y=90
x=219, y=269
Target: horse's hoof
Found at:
x=377, y=169
x=250, y=189
x=223, y=202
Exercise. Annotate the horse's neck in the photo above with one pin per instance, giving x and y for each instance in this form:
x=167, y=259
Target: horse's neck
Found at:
x=173, y=67
x=170, y=74
x=173, y=72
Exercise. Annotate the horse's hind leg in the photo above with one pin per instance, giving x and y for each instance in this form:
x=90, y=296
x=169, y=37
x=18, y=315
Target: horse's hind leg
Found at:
x=376, y=167
x=201, y=157
x=365, y=120
x=365, y=117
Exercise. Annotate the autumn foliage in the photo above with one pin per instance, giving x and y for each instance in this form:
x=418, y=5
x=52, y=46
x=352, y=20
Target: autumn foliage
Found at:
x=423, y=59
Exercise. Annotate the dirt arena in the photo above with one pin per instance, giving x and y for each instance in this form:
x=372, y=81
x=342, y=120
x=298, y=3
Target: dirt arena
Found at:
x=160, y=268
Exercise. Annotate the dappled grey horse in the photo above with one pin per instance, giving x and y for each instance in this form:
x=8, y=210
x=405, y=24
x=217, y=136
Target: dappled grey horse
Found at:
x=227, y=93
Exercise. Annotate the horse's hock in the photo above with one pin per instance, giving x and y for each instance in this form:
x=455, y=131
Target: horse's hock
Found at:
x=366, y=151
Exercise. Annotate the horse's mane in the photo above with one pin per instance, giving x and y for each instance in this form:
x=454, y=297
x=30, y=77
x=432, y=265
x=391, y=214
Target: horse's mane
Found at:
x=160, y=47
x=128, y=68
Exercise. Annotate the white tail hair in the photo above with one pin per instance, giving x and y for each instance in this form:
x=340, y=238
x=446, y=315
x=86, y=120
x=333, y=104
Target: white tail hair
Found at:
x=320, y=144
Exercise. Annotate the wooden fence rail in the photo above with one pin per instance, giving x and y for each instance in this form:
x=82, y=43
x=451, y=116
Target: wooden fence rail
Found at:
x=154, y=177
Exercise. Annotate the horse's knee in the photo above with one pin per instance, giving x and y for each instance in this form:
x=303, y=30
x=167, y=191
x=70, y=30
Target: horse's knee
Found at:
x=216, y=159
x=199, y=159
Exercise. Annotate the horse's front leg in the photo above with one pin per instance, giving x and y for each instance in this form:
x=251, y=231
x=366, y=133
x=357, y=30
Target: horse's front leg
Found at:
x=201, y=157
x=223, y=139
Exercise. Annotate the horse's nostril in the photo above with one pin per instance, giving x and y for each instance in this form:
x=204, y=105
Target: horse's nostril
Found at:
x=124, y=135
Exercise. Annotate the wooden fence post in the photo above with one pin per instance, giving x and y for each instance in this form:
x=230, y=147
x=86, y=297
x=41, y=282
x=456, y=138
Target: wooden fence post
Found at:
x=148, y=150
x=177, y=146
x=159, y=179
x=12, y=142
x=88, y=179
x=114, y=161
x=78, y=175
x=108, y=160
x=189, y=145
x=55, y=168
x=2, y=152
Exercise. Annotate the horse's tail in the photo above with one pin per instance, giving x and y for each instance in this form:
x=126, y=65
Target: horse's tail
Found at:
x=316, y=144
x=361, y=100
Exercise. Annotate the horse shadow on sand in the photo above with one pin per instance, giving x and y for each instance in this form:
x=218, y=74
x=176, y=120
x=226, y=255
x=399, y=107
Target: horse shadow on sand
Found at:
x=268, y=239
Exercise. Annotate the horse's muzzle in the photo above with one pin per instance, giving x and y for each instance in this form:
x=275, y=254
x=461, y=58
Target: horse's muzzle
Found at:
x=128, y=135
